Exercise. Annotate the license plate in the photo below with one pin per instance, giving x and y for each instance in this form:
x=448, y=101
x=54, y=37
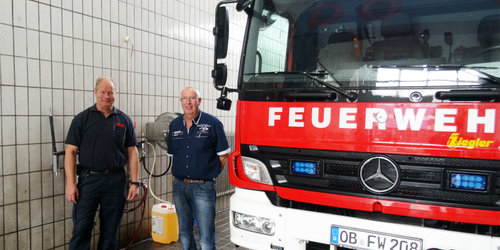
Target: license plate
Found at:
x=365, y=239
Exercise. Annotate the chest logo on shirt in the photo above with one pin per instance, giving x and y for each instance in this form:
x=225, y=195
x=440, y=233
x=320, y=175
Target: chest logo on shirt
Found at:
x=120, y=125
x=177, y=133
x=203, y=130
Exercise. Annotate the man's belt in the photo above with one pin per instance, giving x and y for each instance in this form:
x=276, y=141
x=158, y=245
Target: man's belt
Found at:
x=194, y=181
x=105, y=171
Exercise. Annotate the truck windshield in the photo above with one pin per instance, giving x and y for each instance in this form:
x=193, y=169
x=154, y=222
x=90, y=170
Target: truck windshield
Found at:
x=373, y=43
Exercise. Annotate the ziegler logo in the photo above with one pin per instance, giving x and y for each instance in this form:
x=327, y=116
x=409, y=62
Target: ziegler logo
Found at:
x=456, y=141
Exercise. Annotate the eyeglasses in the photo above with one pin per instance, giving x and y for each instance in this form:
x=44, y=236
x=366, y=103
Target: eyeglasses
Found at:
x=190, y=99
x=103, y=93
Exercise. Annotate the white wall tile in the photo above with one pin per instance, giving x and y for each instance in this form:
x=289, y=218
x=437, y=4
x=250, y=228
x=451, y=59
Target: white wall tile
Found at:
x=114, y=8
x=115, y=54
x=34, y=103
x=8, y=101
x=87, y=53
x=78, y=51
x=106, y=56
x=77, y=6
x=106, y=32
x=137, y=17
x=67, y=22
x=57, y=75
x=57, y=48
x=46, y=100
x=106, y=11
x=56, y=20
x=78, y=77
x=77, y=25
x=33, y=44
x=130, y=15
x=87, y=28
x=21, y=71
x=19, y=13
x=9, y=162
x=96, y=8
x=88, y=98
x=21, y=101
x=31, y=15
x=44, y=17
x=6, y=43
x=6, y=11
x=45, y=74
x=87, y=7
x=88, y=78
x=56, y=3
x=114, y=33
x=68, y=101
x=68, y=76
x=67, y=4
x=33, y=72
x=45, y=46
x=34, y=134
x=7, y=70
x=79, y=102
x=8, y=136
x=67, y=50
x=97, y=30
x=57, y=102
x=122, y=12
x=21, y=133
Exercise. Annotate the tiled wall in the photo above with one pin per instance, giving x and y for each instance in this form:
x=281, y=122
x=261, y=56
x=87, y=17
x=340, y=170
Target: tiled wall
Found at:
x=51, y=52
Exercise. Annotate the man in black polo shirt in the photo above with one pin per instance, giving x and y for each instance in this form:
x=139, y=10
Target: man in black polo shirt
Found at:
x=104, y=138
x=199, y=146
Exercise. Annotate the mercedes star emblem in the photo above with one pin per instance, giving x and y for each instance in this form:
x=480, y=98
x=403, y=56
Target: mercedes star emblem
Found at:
x=379, y=174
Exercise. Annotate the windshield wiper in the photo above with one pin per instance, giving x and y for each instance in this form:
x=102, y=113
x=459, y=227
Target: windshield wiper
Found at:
x=479, y=70
x=351, y=96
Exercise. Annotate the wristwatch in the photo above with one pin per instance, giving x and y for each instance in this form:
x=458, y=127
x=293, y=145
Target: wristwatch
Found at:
x=135, y=183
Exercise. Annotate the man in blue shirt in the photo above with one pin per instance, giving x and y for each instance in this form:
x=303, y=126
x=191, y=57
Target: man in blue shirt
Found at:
x=104, y=138
x=200, y=150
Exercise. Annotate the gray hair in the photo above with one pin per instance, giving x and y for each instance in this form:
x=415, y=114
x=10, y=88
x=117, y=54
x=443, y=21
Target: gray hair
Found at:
x=98, y=81
x=198, y=95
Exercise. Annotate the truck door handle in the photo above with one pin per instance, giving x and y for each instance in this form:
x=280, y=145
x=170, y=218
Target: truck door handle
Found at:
x=311, y=96
x=468, y=95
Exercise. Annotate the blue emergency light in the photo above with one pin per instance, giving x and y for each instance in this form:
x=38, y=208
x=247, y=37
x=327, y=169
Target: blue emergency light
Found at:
x=468, y=181
x=305, y=167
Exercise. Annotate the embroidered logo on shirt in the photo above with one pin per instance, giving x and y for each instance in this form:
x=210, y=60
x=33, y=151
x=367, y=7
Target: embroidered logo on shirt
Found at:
x=120, y=125
x=203, y=130
x=177, y=133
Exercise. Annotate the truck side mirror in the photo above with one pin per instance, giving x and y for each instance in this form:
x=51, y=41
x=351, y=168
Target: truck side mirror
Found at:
x=243, y=4
x=219, y=74
x=221, y=32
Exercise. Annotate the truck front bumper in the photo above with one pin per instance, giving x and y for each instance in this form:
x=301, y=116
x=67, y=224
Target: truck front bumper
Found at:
x=294, y=228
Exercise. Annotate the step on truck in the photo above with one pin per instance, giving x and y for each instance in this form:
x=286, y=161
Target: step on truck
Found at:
x=364, y=124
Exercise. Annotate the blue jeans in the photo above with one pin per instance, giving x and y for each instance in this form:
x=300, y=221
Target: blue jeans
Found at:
x=195, y=200
x=108, y=190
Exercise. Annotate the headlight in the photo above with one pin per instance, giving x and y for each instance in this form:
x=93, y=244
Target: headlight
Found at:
x=256, y=170
x=253, y=223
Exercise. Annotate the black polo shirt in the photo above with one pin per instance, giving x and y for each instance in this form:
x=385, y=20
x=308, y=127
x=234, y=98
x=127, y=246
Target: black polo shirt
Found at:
x=102, y=142
x=196, y=150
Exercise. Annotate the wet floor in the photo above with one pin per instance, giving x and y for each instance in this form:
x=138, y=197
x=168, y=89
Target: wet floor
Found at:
x=221, y=237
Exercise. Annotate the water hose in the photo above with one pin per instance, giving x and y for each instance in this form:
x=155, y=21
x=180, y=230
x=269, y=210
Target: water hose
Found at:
x=143, y=203
x=152, y=171
x=144, y=188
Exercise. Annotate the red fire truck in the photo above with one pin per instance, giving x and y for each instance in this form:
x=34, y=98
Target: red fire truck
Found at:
x=365, y=124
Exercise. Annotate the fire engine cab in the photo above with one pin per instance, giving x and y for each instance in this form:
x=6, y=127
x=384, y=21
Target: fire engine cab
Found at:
x=365, y=124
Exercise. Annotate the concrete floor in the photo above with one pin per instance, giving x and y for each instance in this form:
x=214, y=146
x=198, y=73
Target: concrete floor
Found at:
x=221, y=237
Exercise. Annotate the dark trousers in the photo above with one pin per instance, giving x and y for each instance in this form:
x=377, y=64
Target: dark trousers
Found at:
x=108, y=191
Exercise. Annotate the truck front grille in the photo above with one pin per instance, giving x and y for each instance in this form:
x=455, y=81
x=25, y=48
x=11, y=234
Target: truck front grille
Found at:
x=423, y=179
